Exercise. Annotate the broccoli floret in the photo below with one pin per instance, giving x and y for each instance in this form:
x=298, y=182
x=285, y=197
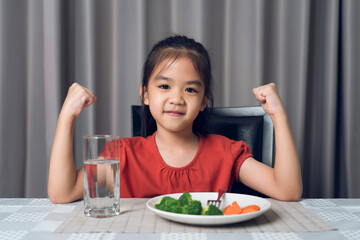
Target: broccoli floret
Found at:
x=169, y=204
x=186, y=205
x=185, y=199
x=211, y=210
x=194, y=208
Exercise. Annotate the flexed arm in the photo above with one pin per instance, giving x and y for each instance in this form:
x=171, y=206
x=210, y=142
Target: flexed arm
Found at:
x=65, y=182
x=284, y=181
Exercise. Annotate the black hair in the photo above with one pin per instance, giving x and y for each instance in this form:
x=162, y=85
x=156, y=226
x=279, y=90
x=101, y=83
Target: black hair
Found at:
x=172, y=48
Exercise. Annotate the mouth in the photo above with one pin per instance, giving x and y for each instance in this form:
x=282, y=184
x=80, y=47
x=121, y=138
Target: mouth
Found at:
x=174, y=113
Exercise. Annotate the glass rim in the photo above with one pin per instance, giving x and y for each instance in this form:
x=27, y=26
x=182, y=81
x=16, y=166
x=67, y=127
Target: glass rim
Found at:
x=101, y=136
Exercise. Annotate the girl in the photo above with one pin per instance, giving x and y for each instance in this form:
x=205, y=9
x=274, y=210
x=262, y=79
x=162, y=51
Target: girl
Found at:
x=178, y=155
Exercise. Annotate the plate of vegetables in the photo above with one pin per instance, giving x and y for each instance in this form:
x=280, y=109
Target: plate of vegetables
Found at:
x=192, y=208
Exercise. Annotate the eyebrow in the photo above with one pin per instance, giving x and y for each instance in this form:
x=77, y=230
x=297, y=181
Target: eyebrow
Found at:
x=190, y=82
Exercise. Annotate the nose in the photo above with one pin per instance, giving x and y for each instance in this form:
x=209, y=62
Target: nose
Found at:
x=176, y=98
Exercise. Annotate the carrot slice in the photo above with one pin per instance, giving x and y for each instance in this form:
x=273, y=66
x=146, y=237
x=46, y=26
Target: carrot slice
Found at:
x=236, y=207
x=228, y=210
x=250, y=208
x=232, y=209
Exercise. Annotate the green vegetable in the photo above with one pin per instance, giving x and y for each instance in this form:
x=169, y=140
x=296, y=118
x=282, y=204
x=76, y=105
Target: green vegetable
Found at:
x=211, y=210
x=186, y=205
x=194, y=208
x=185, y=199
x=169, y=204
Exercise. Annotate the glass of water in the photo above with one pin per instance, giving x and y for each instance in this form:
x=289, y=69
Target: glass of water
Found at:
x=101, y=175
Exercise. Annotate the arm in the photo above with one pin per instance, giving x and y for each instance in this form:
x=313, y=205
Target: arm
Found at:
x=282, y=182
x=65, y=182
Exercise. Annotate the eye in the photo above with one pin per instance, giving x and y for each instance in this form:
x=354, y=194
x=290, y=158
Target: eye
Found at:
x=164, y=86
x=191, y=90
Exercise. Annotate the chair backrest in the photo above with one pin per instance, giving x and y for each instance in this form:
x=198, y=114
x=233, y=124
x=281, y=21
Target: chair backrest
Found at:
x=249, y=124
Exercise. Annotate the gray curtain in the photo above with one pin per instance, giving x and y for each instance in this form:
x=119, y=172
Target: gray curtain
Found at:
x=310, y=49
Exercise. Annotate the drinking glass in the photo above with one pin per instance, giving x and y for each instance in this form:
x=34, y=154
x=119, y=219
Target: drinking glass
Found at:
x=101, y=175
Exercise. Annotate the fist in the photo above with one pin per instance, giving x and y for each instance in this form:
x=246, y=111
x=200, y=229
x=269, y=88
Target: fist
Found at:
x=269, y=98
x=77, y=98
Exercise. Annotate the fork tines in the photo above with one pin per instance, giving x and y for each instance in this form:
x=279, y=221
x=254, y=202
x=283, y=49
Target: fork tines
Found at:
x=214, y=202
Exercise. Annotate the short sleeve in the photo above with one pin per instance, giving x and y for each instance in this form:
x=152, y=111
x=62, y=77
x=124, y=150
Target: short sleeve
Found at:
x=111, y=150
x=240, y=151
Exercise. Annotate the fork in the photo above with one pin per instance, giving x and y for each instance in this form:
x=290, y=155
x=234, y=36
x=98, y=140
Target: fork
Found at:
x=217, y=202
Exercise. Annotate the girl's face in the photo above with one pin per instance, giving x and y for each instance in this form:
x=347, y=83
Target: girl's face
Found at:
x=175, y=95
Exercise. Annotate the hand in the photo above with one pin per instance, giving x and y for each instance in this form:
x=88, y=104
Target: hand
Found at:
x=270, y=100
x=77, y=98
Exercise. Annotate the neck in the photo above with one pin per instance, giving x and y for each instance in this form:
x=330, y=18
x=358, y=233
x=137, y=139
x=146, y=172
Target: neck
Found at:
x=176, y=139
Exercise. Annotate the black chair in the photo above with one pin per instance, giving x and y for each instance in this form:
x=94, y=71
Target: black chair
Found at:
x=249, y=124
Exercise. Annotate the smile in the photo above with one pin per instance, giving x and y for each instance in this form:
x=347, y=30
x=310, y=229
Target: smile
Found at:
x=174, y=113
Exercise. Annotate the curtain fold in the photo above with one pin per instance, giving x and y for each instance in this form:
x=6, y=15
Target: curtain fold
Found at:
x=321, y=98
x=35, y=101
x=349, y=110
x=53, y=75
x=310, y=49
x=13, y=97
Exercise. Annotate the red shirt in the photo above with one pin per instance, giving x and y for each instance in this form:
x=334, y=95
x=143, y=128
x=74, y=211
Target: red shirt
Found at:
x=143, y=172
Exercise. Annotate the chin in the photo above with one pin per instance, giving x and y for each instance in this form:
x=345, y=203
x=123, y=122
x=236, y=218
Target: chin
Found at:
x=175, y=129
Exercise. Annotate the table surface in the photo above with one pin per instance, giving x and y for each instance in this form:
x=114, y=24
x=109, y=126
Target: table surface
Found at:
x=25, y=218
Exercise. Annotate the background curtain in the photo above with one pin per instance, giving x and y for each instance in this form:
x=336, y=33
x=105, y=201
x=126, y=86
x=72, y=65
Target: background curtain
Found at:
x=310, y=49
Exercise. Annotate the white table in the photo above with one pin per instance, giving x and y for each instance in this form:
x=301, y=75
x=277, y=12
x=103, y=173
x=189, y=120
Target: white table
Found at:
x=38, y=218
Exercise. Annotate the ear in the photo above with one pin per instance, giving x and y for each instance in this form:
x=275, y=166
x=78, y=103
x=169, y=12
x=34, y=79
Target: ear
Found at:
x=144, y=94
x=204, y=103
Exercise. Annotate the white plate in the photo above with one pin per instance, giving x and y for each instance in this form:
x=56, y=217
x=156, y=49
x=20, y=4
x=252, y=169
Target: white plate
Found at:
x=242, y=199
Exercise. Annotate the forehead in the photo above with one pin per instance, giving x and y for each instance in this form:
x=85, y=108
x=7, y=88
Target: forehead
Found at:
x=182, y=65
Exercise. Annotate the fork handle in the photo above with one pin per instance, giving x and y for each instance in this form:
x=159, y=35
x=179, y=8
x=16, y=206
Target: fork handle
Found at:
x=220, y=193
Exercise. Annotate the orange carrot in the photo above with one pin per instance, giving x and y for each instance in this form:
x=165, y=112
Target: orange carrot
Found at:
x=250, y=208
x=232, y=209
x=236, y=207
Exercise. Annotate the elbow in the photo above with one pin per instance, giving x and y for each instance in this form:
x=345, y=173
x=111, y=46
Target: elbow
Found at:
x=57, y=198
x=51, y=195
x=291, y=196
x=291, y=192
x=54, y=198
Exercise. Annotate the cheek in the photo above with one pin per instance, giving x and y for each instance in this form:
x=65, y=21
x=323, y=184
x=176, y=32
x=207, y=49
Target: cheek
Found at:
x=196, y=106
x=155, y=100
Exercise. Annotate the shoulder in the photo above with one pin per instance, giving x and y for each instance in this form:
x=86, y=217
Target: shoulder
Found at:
x=219, y=139
x=215, y=138
x=135, y=141
x=131, y=140
x=216, y=141
x=126, y=145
